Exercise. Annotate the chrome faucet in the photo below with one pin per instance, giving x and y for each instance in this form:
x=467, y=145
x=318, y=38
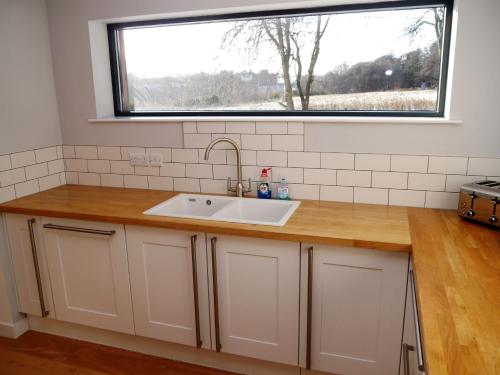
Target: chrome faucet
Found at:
x=239, y=189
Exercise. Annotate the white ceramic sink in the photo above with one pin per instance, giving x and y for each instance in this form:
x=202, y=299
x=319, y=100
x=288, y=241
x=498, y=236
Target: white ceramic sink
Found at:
x=221, y=208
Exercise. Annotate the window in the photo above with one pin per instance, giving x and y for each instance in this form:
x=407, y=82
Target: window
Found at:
x=379, y=59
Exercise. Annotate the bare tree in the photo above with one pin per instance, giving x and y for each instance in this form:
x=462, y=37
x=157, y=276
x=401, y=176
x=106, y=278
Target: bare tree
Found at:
x=287, y=35
x=433, y=17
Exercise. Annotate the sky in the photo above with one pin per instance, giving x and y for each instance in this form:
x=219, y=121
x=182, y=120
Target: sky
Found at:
x=188, y=49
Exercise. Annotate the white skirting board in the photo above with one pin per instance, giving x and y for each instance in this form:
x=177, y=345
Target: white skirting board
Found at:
x=14, y=330
x=162, y=349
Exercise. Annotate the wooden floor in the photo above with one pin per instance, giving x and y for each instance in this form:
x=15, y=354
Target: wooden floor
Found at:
x=37, y=353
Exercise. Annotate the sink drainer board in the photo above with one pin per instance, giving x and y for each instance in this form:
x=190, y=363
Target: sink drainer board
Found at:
x=222, y=208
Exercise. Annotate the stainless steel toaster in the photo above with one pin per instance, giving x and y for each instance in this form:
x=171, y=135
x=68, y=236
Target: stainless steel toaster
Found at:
x=479, y=201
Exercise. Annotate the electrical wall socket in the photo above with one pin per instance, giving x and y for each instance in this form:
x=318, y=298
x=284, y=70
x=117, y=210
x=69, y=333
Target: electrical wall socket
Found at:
x=155, y=160
x=139, y=159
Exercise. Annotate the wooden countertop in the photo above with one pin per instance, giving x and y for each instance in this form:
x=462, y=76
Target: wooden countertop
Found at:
x=456, y=263
x=366, y=226
x=457, y=277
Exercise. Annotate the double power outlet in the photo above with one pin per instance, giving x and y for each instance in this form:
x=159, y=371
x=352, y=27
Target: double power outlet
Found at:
x=146, y=160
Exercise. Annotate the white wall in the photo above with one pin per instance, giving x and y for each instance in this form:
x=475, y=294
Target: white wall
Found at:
x=474, y=98
x=28, y=107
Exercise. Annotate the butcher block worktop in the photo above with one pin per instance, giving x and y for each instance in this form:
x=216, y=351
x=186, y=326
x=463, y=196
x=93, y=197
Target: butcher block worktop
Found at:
x=456, y=263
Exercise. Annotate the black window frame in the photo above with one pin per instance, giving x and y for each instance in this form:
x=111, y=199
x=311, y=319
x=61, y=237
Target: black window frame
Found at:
x=112, y=29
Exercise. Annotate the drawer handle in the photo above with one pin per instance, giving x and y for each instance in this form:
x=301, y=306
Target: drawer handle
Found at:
x=36, y=263
x=420, y=355
x=195, y=291
x=309, y=304
x=406, y=358
x=218, y=345
x=80, y=230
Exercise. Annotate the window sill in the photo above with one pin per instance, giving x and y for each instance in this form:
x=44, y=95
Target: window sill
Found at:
x=304, y=119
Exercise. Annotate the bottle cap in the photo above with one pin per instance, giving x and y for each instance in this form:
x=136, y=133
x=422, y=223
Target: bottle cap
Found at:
x=264, y=172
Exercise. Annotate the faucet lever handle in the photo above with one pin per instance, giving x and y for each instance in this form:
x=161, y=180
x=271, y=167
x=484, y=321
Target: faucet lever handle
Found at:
x=249, y=188
x=229, y=187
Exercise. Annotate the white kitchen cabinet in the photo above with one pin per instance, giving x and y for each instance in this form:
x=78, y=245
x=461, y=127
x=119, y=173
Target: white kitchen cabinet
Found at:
x=411, y=349
x=356, y=310
x=256, y=301
x=169, y=303
x=89, y=273
x=34, y=295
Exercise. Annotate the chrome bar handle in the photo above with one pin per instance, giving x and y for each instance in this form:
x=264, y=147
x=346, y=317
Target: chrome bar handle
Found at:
x=81, y=230
x=195, y=291
x=38, y=276
x=309, y=305
x=420, y=355
x=406, y=358
x=216, y=294
x=249, y=188
x=229, y=186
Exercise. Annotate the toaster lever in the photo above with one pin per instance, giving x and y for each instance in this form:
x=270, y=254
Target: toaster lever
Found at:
x=493, y=218
x=470, y=212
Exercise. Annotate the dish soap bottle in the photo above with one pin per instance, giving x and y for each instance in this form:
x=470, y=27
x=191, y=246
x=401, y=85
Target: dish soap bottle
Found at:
x=283, y=190
x=264, y=186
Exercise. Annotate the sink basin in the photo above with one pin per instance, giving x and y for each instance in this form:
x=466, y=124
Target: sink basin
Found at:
x=232, y=209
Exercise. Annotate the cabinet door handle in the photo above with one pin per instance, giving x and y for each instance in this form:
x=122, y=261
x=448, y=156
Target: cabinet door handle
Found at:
x=309, y=304
x=218, y=345
x=36, y=263
x=420, y=355
x=406, y=358
x=81, y=230
x=195, y=291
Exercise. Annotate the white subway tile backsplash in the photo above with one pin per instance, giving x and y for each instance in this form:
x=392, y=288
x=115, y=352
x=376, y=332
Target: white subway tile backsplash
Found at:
x=320, y=176
x=22, y=159
x=299, y=191
x=354, y=178
x=292, y=175
x=126, y=151
x=76, y=165
x=46, y=154
x=49, y=182
x=36, y=171
x=295, y=128
x=211, y=127
x=288, y=142
x=447, y=165
x=215, y=157
x=304, y=159
x=109, y=153
x=135, y=182
x=271, y=128
x=223, y=171
x=56, y=166
x=187, y=185
x=337, y=161
x=224, y=145
x=180, y=155
x=189, y=127
x=5, y=162
x=256, y=142
x=337, y=193
x=484, y=166
x=240, y=127
x=146, y=171
x=197, y=140
x=26, y=188
x=99, y=166
x=69, y=151
x=252, y=172
x=199, y=170
x=393, y=180
x=62, y=178
x=112, y=180
x=434, y=199
x=12, y=176
x=371, y=195
x=166, y=153
x=410, y=198
x=59, y=150
x=173, y=170
x=121, y=167
x=92, y=179
x=454, y=182
x=161, y=183
x=422, y=181
x=7, y=194
x=248, y=157
x=86, y=152
x=409, y=163
x=272, y=158
x=213, y=186
x=72, y=178
x=372, y=162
